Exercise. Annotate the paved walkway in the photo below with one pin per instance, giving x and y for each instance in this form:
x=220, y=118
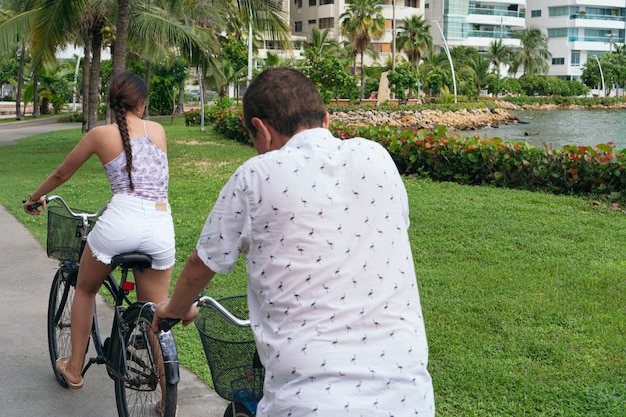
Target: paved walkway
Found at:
x=27, y=384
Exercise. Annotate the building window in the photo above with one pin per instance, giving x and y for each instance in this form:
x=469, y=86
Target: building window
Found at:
x=575, y=58
x=323, y=2
x=557, y=33
x=299, y=4
x=327, y=22
x=558, y=11
x=312, y=22
x=312, y=3
x=558, y=61
x=535, y=13
x=297, y=26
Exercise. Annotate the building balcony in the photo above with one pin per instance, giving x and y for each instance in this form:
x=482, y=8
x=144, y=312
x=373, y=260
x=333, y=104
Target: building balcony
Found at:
x=498, y=13
x=597, y=17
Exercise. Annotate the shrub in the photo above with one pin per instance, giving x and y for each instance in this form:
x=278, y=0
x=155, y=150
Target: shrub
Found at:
x=441, y=156
x=225, y=118
x=583, y=170
x=75, y=117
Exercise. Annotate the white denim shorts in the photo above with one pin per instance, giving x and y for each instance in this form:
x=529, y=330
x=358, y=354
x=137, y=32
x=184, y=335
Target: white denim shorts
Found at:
x=131, y=224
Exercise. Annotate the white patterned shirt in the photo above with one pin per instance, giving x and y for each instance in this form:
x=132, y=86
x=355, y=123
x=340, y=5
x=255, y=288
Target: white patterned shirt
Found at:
x=333, y=297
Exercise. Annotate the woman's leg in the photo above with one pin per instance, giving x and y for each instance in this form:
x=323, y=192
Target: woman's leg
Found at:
x=153, y=285
x=91, y=275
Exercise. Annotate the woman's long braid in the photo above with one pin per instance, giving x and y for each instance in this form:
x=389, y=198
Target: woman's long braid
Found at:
x=120, y=116
x=127, y=93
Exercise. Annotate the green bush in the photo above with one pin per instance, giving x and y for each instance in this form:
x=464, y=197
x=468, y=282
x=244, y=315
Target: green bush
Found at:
x=75, y=117
x=193, y=117
x=441, y=156
x=225, y=118
x=584, y=170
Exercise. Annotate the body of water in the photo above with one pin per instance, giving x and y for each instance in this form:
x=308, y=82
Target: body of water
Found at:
x=564, y=127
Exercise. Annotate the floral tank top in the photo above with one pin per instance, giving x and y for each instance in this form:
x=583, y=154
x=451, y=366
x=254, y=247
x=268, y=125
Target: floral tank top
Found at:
x=150, y=171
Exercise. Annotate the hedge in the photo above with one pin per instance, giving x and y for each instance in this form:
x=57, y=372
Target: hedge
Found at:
x=444, y=156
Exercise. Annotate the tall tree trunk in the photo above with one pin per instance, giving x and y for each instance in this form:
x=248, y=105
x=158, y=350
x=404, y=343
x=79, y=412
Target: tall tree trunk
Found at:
x=178, y=111
x=36, y=111
x=84, y=101
x=94, y=76
x=20, y=85
x=119, y=52
x=362, y=76
x=146, y=110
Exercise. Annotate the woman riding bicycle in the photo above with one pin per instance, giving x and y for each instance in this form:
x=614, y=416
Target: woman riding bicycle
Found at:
x=138, y=218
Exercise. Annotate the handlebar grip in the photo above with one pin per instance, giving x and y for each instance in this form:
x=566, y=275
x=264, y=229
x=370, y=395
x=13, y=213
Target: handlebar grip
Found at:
x=32, y=206
x=166, y=324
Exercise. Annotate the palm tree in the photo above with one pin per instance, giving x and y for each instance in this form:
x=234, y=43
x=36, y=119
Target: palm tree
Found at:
x=320, y=42
x=479, y=71
x=119, y=50
x=533, y=53
x=15, y=24
x=361, y=22
x=415, y=39
x=435, y=66
x=499, y=54
x=59, y=21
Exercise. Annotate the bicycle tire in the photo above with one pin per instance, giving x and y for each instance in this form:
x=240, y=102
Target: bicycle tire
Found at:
x=238, y=410
x=144, y=371
x=59, y=317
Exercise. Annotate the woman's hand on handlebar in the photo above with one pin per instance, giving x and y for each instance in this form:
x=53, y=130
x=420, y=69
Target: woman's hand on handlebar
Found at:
x=163, y=312
x=31, y=205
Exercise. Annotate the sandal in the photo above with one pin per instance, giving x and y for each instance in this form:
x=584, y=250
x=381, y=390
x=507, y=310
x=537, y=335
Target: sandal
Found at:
x=61, y=365
x=161, y=408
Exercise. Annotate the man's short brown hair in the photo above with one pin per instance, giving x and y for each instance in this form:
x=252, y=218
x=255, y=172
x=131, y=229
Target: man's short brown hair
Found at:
x=286, y=99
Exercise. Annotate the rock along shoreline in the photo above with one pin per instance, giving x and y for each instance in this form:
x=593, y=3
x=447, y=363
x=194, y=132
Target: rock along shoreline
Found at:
x=465, y=120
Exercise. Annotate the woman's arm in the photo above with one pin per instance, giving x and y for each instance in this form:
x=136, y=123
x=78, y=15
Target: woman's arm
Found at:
x=73, y=161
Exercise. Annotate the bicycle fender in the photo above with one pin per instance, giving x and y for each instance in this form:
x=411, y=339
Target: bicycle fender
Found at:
x=170, y=356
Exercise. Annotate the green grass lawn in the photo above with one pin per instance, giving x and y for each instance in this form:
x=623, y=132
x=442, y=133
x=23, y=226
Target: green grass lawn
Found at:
x=524, y=294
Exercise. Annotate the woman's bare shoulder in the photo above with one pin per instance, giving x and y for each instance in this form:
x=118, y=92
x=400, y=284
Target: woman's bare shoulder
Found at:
x=104, y=130
x=156, y=133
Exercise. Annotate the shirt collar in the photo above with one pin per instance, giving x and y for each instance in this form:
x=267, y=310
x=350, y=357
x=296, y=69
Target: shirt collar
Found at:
x=311, y=138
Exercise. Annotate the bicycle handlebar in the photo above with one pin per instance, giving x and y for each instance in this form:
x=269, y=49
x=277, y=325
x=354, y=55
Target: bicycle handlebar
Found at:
x=62, y=202
x=206, y=301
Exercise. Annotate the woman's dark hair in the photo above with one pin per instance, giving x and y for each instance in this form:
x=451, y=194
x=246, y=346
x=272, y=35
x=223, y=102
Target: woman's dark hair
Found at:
x=286, y=98
x=127, y=92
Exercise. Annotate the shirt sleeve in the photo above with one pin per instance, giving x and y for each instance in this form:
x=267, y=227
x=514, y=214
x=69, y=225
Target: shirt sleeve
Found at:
x=226, y=231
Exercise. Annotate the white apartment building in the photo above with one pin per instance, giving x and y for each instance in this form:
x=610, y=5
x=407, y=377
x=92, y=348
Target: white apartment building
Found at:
x=577, y=30
x=475, y=23
x=306, y=14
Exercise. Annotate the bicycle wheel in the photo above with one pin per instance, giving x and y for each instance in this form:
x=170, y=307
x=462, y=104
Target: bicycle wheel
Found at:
x=59, y=312
x=238, y=410
x=144, y=372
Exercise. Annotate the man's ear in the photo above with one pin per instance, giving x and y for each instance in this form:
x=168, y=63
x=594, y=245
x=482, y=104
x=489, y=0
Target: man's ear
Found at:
x=263, y=138
x=326, y=121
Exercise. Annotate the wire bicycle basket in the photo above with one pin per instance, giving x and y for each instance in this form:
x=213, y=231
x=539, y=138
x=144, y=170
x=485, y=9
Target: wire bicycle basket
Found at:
x=64, y=240
x=231, y=353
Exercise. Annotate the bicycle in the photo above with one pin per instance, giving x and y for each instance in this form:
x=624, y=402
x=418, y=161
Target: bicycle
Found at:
x=231, y=353
x=141, y=363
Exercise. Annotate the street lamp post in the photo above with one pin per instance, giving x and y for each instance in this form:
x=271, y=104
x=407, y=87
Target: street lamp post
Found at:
x=610, y=35
x=601, y=76
x=445, y=46
x=393, y=35
x=75, y=82
x=250, y=48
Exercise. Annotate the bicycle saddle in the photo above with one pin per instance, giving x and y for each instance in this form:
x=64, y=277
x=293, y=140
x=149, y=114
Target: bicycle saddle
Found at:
x=132, y=260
